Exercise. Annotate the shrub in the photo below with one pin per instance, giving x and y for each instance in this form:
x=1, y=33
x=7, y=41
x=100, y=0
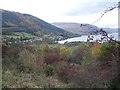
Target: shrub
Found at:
x=5, y=50
x=83, y=52
x=29, y=60
x=108, y=53
x=108, y=59
x=15, y=49
x=67, y=72
x=63, y=52
x=63, y=71
x=96, y=49
x=43, y=49
x=20, y=65
x=50, y=58
x=50, y=70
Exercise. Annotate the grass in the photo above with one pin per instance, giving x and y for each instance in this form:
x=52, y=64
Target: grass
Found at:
x=20, y=34
x=12, y=36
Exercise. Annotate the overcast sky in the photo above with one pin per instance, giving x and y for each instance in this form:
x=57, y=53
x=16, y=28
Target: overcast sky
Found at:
x=79, y=11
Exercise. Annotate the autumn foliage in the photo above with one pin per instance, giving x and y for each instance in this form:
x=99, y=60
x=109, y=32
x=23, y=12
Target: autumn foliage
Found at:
x=88, y=65
x=96, y=49
x=51, y=58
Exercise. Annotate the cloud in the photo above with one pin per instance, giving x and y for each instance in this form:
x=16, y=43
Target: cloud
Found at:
x=81, y=11
x=90, y=7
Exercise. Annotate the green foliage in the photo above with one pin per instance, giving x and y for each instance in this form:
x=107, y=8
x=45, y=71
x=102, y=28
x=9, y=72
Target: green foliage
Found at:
x=109, y=52
x=33, y=66
x=42, y=49
x=20, y=65
x=103, y=47
x=81, y=53
x=108, y=59
x=50, y=70
x=29, y=60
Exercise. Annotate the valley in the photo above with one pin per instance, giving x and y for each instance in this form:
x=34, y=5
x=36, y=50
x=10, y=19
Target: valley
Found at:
x=37, y=54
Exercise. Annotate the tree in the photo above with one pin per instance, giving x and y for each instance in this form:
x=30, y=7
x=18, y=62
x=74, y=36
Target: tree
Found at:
x=39, y=34
x=64, y=52
x=96, y=49
x=51, y=58
x=42, y=49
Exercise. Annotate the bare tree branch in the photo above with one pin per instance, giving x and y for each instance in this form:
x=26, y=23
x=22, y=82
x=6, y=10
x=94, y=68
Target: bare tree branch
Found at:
x=107, y=10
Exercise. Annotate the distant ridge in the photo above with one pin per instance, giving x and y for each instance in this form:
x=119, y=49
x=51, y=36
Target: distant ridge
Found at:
x=81, y=28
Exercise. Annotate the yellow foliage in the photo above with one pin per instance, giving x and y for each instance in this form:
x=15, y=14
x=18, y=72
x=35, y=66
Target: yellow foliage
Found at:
x=63, y=50
x=96, y=49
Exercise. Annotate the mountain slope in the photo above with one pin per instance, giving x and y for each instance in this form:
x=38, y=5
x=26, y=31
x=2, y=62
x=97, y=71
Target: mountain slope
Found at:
x=83, y=28
x=17, y=22
x=111, y=30
x=77, y=27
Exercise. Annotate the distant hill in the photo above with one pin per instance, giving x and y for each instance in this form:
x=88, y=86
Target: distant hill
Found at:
x=111, y=30
x=81, y=28
x=25, y=23
x=17, y=22
x=77, y=27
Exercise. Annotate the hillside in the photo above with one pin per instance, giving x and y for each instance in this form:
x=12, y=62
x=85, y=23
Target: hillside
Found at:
x=17, y=22
x=111, y=30
x=77, y=27
x=81, y=28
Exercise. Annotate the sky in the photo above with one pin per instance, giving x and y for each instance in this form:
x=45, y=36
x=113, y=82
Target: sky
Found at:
x=78, y=11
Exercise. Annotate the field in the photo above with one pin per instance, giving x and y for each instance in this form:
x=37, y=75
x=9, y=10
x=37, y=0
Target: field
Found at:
x=19, y=35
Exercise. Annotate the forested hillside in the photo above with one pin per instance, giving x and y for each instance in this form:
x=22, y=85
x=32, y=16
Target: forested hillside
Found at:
x=16, y=22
